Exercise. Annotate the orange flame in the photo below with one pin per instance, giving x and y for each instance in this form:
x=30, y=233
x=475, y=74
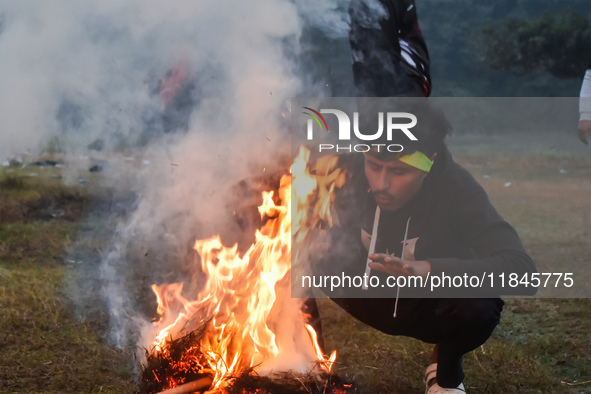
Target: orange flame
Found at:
x=247, y=298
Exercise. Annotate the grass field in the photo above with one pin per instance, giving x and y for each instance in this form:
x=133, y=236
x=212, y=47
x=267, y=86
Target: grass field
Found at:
x=541, y=346
x=44, y=347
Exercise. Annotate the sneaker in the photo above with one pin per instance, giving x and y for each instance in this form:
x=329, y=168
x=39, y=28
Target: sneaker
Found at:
x=431, y=386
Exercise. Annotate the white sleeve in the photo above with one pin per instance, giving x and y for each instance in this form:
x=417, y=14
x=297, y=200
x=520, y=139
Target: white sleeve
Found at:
x=585, y=98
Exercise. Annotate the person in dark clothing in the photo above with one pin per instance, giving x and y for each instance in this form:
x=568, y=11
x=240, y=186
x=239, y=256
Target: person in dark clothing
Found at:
x=585, y=107
x=417, y=212
x=425, y=216
x=390, y=57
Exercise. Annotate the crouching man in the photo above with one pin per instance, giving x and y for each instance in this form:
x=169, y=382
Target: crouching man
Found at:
x=417, y=213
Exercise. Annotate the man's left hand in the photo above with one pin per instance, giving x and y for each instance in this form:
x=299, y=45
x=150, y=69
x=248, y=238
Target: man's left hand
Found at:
x=395, y=266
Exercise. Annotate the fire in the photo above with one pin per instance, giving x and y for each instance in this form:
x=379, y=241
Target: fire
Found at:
x=247, y=298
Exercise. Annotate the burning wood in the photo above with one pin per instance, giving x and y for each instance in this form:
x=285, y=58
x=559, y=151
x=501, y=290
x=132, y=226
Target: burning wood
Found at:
x=284, y=384
x=191, y=387
x=182, y=359
x=254, y=325
x=291, y=383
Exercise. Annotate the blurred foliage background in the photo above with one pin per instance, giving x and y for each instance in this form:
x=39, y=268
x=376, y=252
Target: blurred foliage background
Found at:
x=505, y=48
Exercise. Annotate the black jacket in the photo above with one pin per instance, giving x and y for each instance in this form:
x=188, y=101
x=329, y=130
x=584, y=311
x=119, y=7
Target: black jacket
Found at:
x=452, y=224
x=390, y=57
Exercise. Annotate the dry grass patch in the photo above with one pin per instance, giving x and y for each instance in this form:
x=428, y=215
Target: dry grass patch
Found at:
x=44, y=348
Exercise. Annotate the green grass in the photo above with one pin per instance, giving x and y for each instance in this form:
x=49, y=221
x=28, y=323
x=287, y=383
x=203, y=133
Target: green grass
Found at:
x=539, y=345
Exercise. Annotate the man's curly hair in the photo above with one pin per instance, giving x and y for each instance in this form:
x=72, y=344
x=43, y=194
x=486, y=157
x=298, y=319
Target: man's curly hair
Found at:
x=431, y=129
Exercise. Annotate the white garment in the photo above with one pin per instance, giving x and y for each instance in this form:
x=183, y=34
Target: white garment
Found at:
x=585, y=97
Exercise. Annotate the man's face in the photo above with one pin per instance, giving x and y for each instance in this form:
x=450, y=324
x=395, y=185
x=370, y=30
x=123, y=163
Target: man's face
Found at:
x=393, y=183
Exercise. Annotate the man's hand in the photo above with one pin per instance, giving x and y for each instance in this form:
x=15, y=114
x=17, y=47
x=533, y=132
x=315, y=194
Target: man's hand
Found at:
x=398, y=267
x=584, y=129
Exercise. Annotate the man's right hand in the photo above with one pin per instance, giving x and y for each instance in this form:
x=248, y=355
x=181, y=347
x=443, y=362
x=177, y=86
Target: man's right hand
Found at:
x=395, y=266
x=584, y=129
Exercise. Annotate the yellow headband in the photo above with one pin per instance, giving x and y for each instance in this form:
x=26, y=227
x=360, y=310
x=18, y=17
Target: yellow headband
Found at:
x=417, y=160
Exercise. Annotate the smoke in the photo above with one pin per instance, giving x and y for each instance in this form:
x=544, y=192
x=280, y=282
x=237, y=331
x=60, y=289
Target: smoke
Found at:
x=368, y=13
x=180, y=165
x=329, y=16
x=88, y=71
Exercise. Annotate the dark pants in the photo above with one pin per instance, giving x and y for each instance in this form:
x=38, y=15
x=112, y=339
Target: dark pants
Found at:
x=458, y=326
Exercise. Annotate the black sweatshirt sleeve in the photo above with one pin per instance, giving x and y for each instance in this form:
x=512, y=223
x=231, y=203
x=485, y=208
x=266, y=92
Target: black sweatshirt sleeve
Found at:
x=378, y=66
x=495, y=244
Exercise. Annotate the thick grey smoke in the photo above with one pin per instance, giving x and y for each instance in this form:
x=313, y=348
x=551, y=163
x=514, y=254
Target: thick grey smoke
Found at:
x=83, y=71
x=329, y=16
x=91, y=74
